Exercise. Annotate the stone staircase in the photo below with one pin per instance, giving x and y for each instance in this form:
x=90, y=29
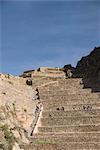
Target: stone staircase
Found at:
x=76, y=126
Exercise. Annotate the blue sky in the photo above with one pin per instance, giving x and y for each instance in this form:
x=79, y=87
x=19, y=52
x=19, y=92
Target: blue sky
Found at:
x=46, y=33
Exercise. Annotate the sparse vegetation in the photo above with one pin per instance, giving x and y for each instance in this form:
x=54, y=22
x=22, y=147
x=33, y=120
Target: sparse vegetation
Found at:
x=10, y=82
x=69, y=114
x=43, y=142
x=7, y=133
x=2, y=146
x=8, y=139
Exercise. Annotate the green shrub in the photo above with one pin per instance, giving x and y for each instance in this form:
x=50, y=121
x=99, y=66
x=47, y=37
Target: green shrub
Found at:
x=43, y=142
x=7, y=133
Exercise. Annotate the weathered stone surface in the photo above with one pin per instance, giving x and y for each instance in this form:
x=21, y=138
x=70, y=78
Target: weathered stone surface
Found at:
x=45, y=72
x=17, y=107
x=89, y=66
x=69, y=116
x=89, y=69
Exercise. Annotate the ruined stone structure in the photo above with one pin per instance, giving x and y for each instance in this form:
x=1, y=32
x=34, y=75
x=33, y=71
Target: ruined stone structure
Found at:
x=70, y=118
x=45, y=72
x=58, y=113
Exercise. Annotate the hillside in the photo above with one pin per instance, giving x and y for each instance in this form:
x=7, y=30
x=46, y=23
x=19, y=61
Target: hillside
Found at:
x=17, y=105
x=89, y=66
x=50, y=110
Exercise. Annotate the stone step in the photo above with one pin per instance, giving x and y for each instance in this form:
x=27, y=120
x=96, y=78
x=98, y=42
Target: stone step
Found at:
x=69, y=85
x=61, y=86
x=58, y=87
x=71, y=105
x=40, y=145
x=68, y=93
x=66, y=134
x=70, y=96
x=78, y=113
x=70, y=121
x=63, y=81
x=62, y=146
x=71, y=81
x=78, y=128
x=65, y=138
x=64, y=92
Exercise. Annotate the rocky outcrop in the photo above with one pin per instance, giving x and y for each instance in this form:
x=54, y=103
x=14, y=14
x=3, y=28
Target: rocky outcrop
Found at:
x=27, y=73
x=19, y=107
x=45, y=72
x=69, y=70
x=69, y=66
x=17, y=111
x=89, y=69
x=89, y=66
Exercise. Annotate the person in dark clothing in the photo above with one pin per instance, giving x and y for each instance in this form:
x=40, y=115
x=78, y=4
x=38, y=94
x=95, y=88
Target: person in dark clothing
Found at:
x=37, y=94
x=62, y=108
x=57, y=109
x=29, y=82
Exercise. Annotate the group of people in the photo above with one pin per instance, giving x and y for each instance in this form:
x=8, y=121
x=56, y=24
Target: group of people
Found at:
x=39, y=104
x=87, y=107
x=37, y=94
x=62, y=108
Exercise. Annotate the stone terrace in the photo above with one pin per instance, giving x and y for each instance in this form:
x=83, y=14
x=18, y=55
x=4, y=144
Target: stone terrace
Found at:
x=70, y=118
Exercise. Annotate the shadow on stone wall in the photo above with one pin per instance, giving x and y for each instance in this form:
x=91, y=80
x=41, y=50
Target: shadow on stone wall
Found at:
x=88, y=68
x=93, y=83
x=89, y=81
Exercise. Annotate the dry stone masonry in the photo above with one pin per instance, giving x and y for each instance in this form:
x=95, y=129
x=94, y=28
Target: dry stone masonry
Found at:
x=70, y=117
x=52, y=108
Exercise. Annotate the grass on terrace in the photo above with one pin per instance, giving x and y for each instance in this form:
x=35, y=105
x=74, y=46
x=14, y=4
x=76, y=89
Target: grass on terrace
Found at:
x=43, y=142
